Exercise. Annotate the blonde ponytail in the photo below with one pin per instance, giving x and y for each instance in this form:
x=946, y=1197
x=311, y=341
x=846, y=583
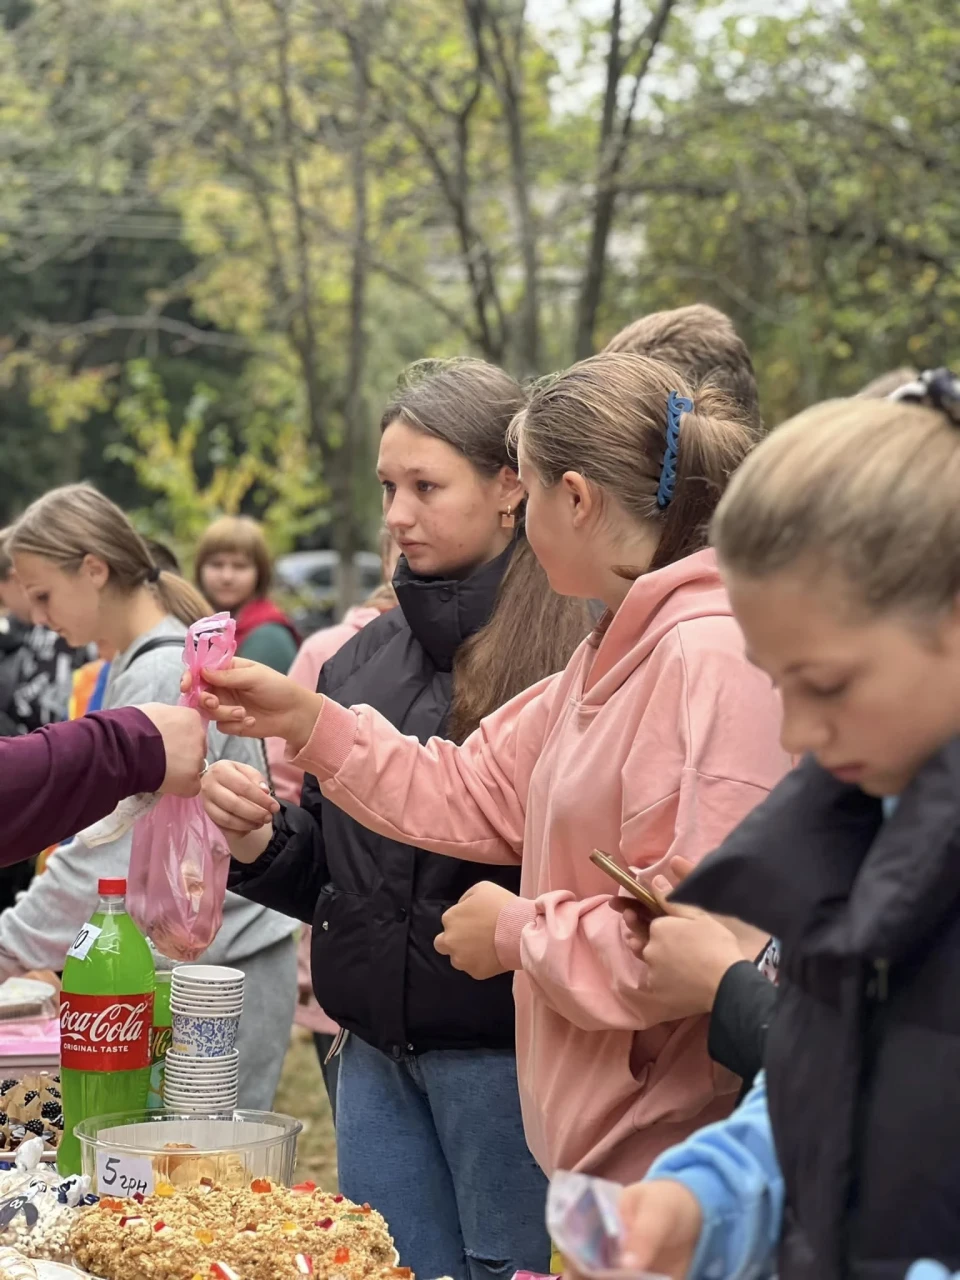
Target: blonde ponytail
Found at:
x=181, y=598
x=70, y=523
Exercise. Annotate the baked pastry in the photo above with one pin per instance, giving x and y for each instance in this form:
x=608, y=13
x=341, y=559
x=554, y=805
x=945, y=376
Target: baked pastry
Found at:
x=30, y=1107
x=262, y=1232
x=176, y=1165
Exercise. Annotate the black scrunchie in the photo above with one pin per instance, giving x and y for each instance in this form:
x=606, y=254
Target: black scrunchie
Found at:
x=935, y=388
x=153, y=575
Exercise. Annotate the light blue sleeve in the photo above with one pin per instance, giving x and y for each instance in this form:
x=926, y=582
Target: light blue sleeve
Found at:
x=731, y=1167
x=930, y=1271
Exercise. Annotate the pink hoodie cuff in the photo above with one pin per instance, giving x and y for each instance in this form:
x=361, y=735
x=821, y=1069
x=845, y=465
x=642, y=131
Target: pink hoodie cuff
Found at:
x=511, y=923
x=331, y=741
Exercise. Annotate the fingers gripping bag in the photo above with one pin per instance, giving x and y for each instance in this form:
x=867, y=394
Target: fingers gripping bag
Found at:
x=583, y=1218
x=179, y=862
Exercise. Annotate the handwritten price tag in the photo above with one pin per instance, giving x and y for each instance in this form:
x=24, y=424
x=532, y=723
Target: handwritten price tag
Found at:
x=124, y=1175
x=84, y=941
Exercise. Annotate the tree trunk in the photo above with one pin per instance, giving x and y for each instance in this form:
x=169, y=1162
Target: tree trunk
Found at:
x=591, y=289
x=508, y=79
x=614, y=135
x=351, y=457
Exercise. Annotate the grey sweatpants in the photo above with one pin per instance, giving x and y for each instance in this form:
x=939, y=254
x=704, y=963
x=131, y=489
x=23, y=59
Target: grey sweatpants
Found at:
x=270, y=995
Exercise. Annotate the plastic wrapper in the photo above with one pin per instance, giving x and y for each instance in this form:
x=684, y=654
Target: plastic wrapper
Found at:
x=179, y=862
x=23, y=998
x=38, y=1206
x=583, y=1217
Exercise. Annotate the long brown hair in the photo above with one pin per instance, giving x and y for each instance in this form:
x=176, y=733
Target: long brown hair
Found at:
x=70, y=523
x=532, y=632
x=606, y=418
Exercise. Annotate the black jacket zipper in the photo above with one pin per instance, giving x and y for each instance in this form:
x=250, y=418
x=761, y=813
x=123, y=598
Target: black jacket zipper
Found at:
x=873, y=1024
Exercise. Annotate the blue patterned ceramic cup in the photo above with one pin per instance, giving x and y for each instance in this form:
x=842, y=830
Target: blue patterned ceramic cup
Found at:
x=200, y=1035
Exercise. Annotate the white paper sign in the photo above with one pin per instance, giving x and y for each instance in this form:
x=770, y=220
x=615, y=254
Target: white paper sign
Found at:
x=84, y=941
x=124, y=1175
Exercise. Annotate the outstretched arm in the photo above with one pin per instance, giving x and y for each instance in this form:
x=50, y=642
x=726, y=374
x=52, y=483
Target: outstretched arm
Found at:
x=62, y=778
x=466, y=801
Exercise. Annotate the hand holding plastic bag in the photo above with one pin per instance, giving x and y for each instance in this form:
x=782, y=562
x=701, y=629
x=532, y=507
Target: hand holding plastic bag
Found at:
x=583, y=1218
x=179, y=863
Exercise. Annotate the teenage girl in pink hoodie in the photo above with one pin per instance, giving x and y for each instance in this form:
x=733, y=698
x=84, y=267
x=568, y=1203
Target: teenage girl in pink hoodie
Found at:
x=655, y=741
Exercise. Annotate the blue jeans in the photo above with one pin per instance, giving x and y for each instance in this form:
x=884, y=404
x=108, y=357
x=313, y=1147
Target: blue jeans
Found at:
x=435, y=1142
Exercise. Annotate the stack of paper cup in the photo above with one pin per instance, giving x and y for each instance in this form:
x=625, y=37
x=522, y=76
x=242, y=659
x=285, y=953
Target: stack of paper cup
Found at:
x=207, y=1085
x=202, y=1066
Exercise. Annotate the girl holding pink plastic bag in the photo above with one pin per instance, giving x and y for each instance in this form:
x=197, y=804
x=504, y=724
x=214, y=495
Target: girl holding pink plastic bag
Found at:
x=89, y=575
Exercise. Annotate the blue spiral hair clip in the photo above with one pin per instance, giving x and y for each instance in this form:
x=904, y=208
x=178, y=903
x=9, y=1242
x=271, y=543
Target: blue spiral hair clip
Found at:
x=677, y=405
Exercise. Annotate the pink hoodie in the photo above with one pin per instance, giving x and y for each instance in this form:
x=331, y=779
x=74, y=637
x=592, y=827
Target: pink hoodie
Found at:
x=288, y=783
x=656, y=741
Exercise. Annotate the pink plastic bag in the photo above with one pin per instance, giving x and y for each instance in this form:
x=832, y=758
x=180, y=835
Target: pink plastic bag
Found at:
x=179, y=862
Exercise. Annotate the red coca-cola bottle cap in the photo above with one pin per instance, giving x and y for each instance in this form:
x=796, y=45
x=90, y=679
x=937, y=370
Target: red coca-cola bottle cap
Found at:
x=112, y=888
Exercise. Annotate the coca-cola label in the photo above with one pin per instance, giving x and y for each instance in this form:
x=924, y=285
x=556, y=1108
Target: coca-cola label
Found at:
x=105, y=1033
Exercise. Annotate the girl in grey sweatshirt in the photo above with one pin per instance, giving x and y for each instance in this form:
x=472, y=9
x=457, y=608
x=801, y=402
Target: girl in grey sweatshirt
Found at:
x=87, y=572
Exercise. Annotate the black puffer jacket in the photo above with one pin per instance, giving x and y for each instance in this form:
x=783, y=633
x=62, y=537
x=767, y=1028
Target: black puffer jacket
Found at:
x=375, y=905
x=863, y=1053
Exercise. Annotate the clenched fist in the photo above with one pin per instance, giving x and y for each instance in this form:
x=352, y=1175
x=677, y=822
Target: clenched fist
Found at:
x=184, y=745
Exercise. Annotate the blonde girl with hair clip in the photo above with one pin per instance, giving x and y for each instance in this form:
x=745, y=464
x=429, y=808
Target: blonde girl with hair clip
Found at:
x=655, y=741
x=839, y=541
x=90, y=577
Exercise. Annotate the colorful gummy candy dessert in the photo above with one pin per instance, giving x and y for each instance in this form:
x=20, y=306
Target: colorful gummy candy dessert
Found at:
x=211, y=1232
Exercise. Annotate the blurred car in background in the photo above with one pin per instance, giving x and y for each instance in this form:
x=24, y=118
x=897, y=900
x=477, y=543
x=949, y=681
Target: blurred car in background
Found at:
x=308, y=582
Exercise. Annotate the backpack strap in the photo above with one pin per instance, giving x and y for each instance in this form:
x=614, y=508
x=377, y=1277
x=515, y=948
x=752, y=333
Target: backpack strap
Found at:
x=158, y=642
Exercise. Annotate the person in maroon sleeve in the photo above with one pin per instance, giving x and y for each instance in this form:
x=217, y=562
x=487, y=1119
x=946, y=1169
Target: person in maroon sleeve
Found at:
x=62, y=778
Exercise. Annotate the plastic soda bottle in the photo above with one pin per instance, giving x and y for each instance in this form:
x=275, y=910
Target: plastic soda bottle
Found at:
x=162, y=1026
x=106, y=1020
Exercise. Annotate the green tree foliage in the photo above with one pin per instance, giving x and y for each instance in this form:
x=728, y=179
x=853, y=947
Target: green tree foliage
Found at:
x=272, y=475
x=807, y=186
x=278, y=203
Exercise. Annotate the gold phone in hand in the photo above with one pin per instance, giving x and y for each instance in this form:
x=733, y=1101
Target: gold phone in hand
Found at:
x=626, y=881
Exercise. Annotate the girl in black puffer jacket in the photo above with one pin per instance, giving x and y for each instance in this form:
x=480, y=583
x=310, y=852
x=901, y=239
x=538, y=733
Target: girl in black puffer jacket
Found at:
x=428, y=1116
